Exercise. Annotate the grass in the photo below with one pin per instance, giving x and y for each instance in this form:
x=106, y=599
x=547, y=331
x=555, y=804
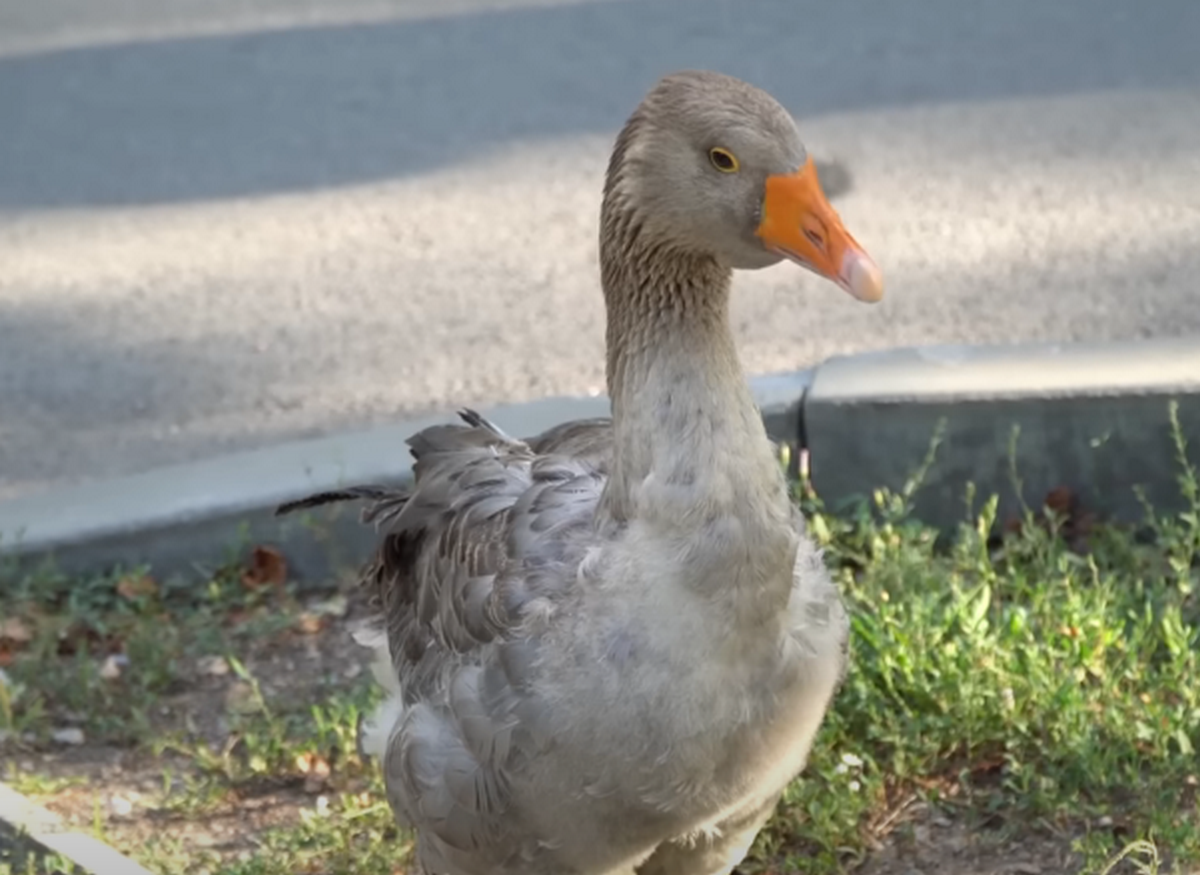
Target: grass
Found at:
x=1020, y=680
x=1022, y=684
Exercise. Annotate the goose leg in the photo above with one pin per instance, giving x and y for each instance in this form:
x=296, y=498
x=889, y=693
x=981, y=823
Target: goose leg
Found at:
x=715, y=854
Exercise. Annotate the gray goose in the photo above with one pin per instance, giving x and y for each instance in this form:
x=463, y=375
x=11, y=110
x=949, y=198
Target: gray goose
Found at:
x=607, y=649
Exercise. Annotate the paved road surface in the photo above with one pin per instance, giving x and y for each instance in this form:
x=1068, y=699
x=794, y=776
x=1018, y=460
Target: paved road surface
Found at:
x=229, y=222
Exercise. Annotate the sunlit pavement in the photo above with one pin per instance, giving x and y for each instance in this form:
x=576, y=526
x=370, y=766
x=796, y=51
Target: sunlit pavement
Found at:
x=228, y=223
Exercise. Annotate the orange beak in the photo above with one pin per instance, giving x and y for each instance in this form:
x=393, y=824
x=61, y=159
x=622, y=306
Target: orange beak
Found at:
x=799, y=223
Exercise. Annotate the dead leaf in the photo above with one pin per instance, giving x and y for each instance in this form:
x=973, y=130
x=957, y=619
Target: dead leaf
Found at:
x=309, y=623
x=238, y=617
x=1075, y=523
x=80, y=635
x=1061, y=500
x=315, y=769
x=15, y=631
x=217, y=666
x=137, y=586
x=267, y=568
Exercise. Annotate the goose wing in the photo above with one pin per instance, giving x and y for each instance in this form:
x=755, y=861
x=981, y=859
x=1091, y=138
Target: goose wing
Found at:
x=489, y=532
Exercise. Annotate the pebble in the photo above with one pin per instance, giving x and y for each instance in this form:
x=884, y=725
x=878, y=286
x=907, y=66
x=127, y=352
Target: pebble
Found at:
x=217, y=666
x=68, y=735
x=110, y=670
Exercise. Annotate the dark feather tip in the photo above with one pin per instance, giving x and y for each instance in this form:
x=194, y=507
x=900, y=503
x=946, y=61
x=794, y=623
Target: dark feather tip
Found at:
x=327, y=498
x=473, y=418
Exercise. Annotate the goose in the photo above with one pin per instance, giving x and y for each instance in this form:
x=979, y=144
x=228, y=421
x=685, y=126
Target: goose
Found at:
x=606, y=649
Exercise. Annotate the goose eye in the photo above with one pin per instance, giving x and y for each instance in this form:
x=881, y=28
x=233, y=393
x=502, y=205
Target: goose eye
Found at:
x=723, y=160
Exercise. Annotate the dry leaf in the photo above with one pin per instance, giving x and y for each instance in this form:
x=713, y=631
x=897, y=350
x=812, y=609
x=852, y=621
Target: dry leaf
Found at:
x=137, y=586
x=310, y=624
x=267, y=568
x=15, y=631
x=79, y=632
x=315, y=769
x=217, y=666
x=237, y=617
x=1075, y=522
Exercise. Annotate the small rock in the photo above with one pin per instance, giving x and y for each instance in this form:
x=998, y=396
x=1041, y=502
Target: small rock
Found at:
x=72, y=735
x=216, y=666
x=110, y=670
x=121, y=806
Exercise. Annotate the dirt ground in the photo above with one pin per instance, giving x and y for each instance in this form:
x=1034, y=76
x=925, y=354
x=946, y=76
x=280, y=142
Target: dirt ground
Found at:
x=125, y=788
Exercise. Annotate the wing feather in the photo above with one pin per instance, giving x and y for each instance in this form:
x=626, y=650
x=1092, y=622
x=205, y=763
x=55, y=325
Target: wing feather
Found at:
x=489, y=526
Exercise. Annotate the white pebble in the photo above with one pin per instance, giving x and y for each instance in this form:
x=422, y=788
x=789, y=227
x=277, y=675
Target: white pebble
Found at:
x=68, y=735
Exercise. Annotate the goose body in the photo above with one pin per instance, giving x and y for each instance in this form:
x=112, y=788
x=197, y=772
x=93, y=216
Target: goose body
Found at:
x=607, y=648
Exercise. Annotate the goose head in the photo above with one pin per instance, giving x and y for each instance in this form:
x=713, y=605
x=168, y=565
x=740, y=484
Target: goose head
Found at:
x=711, y=166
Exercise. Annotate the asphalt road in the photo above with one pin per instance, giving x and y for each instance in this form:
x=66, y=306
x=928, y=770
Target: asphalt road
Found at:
x=230, y=222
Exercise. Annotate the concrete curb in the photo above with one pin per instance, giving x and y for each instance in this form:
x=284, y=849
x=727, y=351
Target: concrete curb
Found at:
x=31, y=824
x=201, y=514
x=1091, y=416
